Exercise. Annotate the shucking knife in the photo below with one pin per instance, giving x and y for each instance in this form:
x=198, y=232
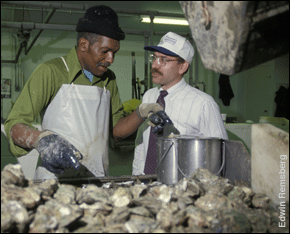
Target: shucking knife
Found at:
x=163, y=124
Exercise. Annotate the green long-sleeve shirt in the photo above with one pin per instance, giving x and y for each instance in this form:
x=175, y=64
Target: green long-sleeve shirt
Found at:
x=43, y=85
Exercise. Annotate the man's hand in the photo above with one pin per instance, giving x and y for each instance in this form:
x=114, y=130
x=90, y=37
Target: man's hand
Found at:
x=57, y=153
x=144, y=109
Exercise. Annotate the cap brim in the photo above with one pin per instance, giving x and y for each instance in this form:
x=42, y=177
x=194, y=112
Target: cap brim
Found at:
x=161, y=50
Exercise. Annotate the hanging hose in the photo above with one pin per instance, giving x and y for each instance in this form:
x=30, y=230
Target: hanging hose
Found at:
x=134, y=89
x=139, y=88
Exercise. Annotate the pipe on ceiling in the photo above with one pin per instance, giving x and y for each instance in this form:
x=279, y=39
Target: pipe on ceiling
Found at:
x=48, y=4
x=32, y=25
x=48, y=17
x=86, y=6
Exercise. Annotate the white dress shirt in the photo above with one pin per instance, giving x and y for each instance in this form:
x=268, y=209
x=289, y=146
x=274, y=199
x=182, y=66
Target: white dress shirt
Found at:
x=192, y=112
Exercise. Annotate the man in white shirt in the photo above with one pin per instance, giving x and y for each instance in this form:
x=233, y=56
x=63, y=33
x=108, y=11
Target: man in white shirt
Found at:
x=192, y=111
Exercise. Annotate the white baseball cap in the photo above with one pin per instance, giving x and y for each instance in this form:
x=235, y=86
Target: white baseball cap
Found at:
x=173, y=44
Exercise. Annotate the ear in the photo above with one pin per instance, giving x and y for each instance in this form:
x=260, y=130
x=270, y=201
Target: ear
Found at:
x=83, y=44
x=184, y=66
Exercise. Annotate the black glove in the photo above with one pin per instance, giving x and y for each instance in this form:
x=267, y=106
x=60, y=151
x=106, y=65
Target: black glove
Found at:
x=162, y=124
x=156, y=122
x=57, y=153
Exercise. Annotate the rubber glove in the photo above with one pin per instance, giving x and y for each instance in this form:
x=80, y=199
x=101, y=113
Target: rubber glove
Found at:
x=57, y=153
x=161, y=121
x=155, y=122
x=144, y=109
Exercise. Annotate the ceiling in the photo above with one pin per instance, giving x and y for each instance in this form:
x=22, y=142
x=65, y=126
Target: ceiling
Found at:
x=20, y=13
x=250, y=23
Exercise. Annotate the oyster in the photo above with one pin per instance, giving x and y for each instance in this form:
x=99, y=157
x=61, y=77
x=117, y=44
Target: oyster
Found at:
x=28, y=197
x=150, y=203
x=53, y=215
x=212, y=183
x=141, y=211
x=138, y=190
x=47, y=188
x=121, y=197
x=211, y=201
x=91, y=194
x=12, y=174
x=119, y=215
x=97, y=207
x=260, y=200
x=139, y=224
x=165, y=220
x=14, y=217
x=235, y=222
x=66, y=194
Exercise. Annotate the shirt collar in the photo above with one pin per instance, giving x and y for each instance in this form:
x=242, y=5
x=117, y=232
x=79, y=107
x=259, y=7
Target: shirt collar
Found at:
x=89, y=75
x=75, y=68
x=175, y=89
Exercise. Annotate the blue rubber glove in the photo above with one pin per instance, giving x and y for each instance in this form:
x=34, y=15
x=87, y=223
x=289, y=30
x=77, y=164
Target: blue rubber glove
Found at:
x=57, y=153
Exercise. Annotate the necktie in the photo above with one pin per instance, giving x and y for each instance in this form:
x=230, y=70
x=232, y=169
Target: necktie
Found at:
x=151, y=158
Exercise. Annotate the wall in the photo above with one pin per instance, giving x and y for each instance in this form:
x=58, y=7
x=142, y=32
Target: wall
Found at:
x=254, y=90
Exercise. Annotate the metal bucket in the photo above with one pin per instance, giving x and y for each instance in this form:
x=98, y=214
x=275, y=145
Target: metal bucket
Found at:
x=180, y=156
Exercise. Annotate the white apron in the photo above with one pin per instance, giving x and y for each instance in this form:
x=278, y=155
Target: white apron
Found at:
x=80, y=114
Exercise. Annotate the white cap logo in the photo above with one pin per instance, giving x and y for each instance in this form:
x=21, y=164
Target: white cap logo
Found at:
x=178, y=45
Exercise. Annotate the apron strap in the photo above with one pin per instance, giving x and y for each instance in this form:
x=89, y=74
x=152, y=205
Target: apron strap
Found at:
x=65, y=64
x=68, y=69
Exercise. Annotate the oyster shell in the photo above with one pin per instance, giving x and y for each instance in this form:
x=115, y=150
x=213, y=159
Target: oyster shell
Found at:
x=28, y=197
x=12, y=174
x=53, y=215
x=14, y=217
x=47, y=188
x=139, y=224
x=66, y=194
x=138, y=190
x=202, y=203
x=260, y=200
x=119, y=215
x=121, y=197
x=211, y=201
x=150, y=203
x=91, y=194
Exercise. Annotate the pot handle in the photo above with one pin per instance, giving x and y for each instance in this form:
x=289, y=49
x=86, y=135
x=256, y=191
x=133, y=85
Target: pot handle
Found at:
x=164, y=155
x=185, y=176
x=224, y=158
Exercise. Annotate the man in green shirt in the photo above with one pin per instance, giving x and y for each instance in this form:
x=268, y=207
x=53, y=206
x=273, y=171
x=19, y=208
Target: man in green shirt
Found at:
x=78, y=99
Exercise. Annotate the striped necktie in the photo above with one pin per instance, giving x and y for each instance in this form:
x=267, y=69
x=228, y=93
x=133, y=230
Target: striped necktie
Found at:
x=151, y=159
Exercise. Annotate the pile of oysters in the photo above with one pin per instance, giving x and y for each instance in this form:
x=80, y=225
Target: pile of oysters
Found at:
x=203, y=203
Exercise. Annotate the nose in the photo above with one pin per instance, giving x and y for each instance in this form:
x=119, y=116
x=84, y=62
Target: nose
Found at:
x=156, y=63
x=110, y=57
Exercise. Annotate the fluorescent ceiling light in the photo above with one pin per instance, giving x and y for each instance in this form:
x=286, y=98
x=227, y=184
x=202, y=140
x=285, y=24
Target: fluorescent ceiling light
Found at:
x=165, y=21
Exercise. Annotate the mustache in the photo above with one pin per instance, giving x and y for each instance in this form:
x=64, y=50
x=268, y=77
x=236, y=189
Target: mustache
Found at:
x=104, y=64
x=154, y=70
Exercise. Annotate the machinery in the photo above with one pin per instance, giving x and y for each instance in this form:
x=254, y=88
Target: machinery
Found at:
x=232, y=36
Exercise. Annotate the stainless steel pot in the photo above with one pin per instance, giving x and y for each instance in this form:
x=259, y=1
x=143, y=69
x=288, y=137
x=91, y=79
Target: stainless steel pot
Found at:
x=179, y=157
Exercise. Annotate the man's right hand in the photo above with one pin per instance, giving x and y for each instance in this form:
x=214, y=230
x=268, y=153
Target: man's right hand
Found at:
x=145, y=108
x=57, y=153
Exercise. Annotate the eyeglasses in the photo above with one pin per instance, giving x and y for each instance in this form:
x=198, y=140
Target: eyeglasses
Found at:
x=160, y=60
